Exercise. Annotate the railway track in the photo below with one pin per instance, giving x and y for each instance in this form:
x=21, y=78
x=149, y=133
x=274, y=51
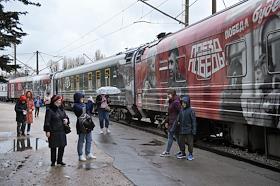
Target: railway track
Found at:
x=227, y=151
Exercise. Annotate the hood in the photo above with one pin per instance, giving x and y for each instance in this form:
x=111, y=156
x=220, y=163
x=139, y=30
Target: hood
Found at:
x=90, y=99
x=186, y=99
x=77, y=97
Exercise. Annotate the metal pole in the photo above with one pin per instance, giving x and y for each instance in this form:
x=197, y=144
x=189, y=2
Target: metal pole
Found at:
x=214, y=6
x=187, y=6
x=37, y=62
x=15, y=58
x=162, y=12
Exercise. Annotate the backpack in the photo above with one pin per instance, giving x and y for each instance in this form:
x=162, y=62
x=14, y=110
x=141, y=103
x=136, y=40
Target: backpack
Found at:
x=85, y=122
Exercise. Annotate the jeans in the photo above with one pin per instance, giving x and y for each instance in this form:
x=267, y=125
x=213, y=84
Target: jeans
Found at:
x=81, y=140
x=28, y=127
x=20, y=127
x=170, y=140
x=59, y=156
x=103, y=116
x=37, y=109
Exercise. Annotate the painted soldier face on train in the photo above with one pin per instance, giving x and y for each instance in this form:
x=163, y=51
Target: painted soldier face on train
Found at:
x=172, y=65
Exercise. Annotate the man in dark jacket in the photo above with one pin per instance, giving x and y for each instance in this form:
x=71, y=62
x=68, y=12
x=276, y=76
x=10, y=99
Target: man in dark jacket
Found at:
x=187, y=125
x=173, y=111
x=80, y=108
x=21, y=111
x=55, y=119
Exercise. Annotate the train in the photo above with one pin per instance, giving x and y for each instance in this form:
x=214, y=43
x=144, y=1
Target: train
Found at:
x=228, y=63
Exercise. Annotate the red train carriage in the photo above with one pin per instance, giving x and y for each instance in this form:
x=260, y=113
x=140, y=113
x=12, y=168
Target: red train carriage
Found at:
x=229, y=65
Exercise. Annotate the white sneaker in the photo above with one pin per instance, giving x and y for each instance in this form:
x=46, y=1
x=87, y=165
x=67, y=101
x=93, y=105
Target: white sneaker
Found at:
x=101, y=131
x=90, y=156
x=82, y=158
x=28, y=133
x=108, y=130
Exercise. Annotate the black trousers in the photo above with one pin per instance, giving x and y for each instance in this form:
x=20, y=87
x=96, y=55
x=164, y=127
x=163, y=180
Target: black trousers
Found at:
x=37, y=111
x=59, y=156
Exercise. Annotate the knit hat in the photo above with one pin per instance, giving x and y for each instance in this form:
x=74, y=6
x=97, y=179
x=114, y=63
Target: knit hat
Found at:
x=55, y=98
x=22, y=98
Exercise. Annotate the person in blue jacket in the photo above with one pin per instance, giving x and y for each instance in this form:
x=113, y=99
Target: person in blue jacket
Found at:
x=79, y=108
x=187, y=128
x=38, y=103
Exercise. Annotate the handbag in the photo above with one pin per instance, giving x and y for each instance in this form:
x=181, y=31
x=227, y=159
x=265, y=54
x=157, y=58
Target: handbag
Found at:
x=67, y=129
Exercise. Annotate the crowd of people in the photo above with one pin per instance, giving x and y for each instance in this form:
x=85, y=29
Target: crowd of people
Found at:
x=181, y=122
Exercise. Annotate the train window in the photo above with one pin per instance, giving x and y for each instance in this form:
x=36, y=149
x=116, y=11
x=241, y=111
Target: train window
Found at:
x=98, y=79
x=72, y=83
x=236, y=60
x=77, y=82
x=273, y=55
x=90, y=80
x=107, y=77
x=163, y=71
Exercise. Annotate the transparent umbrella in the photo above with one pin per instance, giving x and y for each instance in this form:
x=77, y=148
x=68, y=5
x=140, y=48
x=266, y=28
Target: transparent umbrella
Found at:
x=108, y=90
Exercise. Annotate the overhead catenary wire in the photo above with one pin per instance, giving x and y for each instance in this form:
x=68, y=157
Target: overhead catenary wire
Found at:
x=115, y=31
x=185, y=9
x=97, y=27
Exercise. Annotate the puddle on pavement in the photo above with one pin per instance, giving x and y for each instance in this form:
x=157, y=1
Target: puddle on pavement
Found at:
x=147, y=153
x=22, y=144
x=154, y=142
x=92, y=165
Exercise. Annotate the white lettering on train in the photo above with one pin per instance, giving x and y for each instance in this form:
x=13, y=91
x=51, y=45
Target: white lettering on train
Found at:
x=206, y=58
x=263, y=11
x=237, y=28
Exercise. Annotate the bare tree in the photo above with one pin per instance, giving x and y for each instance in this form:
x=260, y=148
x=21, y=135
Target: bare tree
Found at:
x=98, y=55
x=54, y=66
x=72, y=62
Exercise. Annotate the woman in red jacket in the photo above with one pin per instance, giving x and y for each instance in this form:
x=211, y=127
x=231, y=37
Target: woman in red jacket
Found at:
x=30, y=108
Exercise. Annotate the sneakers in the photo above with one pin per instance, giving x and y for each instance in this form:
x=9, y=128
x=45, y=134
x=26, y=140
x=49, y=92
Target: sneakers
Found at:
x=178, y=153
x=190, y=157
x=108, y=131
x=181, y=156
x=53, y=164
x=28, y=133
x=82, y=158
x=90, y=156
x=101, y=131
x=165, y=154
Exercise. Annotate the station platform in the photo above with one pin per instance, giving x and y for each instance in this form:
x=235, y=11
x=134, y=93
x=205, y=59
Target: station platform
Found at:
x=126, y=156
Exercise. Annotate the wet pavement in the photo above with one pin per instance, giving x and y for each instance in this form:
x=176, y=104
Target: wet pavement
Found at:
x=125, y=157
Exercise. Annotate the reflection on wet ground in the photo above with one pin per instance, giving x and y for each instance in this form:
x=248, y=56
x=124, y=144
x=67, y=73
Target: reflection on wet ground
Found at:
x=92, y=165
x=154, y=142
x=22, y=144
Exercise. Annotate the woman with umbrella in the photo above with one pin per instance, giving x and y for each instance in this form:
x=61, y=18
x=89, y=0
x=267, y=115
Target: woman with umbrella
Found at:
x=102, y=103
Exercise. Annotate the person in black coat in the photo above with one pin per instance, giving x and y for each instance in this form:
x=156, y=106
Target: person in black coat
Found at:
x=55, y=120
x=21, y=111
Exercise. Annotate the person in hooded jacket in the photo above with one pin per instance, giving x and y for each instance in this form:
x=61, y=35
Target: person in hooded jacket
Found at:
x=79, y=108
x=90, y=106
x=21, y=111
x=187, y=128
x=55, y=119
x=173, y=111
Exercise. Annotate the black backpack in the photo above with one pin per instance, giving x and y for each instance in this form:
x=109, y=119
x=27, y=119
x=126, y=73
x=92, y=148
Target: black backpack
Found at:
x=86, y=123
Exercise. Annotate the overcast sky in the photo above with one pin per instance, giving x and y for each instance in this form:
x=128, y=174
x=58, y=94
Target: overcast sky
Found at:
x=71, y=27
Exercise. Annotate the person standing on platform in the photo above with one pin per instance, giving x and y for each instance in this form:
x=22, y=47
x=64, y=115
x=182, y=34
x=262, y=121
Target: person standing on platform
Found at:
x=187, y=125
x=55, y=120
x=38, y=103
x=47, y=100
x=102, y=103
x=173, y=111
x=84, y=134
x=30, y=108
x=21, y=111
